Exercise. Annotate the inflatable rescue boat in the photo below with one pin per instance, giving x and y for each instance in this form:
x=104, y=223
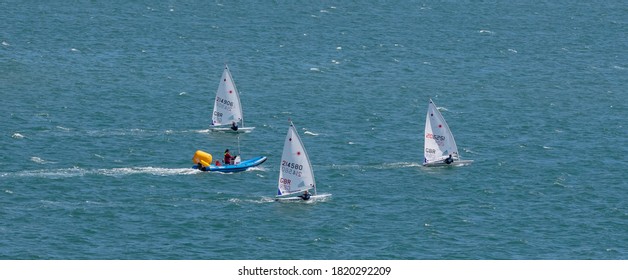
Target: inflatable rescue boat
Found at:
x=203, y=162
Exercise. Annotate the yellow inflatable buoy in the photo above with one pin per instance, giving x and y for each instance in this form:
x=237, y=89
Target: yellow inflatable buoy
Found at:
x=203, y=158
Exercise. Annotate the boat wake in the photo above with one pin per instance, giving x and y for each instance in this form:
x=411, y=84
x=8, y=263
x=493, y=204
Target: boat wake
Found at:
x=114, y=172
x=390, y=165
x=38, y=160
x=256, y=168
x=157, y=171
x=17, y=136
x=395, y=165
x=252, y=201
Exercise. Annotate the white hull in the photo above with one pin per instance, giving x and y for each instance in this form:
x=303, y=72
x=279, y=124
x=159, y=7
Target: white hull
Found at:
x=455, y=163
x=318, y=197
x=229, y=130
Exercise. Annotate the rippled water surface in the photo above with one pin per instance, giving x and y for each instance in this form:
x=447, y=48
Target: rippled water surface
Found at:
x=104, y=104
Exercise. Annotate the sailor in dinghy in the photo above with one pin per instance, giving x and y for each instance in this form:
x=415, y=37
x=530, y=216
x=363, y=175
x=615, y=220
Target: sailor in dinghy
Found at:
x=227, y=107
x=295, y=171
x=440, y=147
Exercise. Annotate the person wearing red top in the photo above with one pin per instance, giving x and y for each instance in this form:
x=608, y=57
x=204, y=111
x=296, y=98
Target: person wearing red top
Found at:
x=228, y=157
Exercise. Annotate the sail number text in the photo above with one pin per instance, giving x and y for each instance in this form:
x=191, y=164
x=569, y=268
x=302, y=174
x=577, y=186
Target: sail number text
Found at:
x=435, y=137
x=291, y=165
x=291, y=168
x=224, y=101
x=440, y=140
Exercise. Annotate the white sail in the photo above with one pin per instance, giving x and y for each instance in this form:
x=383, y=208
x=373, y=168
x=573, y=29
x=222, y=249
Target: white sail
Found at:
x=227, y=107
x=439, y=142
x=295, y=171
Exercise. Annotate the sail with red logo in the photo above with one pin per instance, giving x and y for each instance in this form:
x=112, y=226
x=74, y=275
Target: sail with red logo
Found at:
x=440, y=146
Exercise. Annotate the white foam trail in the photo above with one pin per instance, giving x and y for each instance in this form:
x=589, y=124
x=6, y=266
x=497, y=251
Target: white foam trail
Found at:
x=256, y=168
x=38, y=160
x=117, y=132
x=114, y=172
x=266, y=199
x=157, y=171
x=394, y=165
x=310, y=133
x=391, y=165
x=50, y=173
x=17, y=136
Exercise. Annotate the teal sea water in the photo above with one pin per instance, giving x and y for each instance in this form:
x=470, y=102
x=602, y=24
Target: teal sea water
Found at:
x=105, y=102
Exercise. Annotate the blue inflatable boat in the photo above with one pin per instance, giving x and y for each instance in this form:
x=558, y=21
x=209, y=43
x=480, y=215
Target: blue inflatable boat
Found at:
x=230, y=168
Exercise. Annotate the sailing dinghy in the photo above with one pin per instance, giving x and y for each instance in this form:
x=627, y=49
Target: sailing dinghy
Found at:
x=295, y=171
x=440, y=146
x=227, y=107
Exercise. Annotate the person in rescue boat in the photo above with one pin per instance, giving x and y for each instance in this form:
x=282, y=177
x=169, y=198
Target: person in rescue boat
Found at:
x=228, y=157
x=200, y=167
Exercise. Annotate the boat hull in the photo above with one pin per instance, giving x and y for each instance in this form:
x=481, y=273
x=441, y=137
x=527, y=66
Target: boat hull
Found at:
x=231, y=168
x=229, y=130
x=313, y=198
x=455, y=163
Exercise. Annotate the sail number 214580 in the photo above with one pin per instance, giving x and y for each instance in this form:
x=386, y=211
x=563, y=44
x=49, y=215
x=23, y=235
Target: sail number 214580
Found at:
x=291, y=168
x=291, y=165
